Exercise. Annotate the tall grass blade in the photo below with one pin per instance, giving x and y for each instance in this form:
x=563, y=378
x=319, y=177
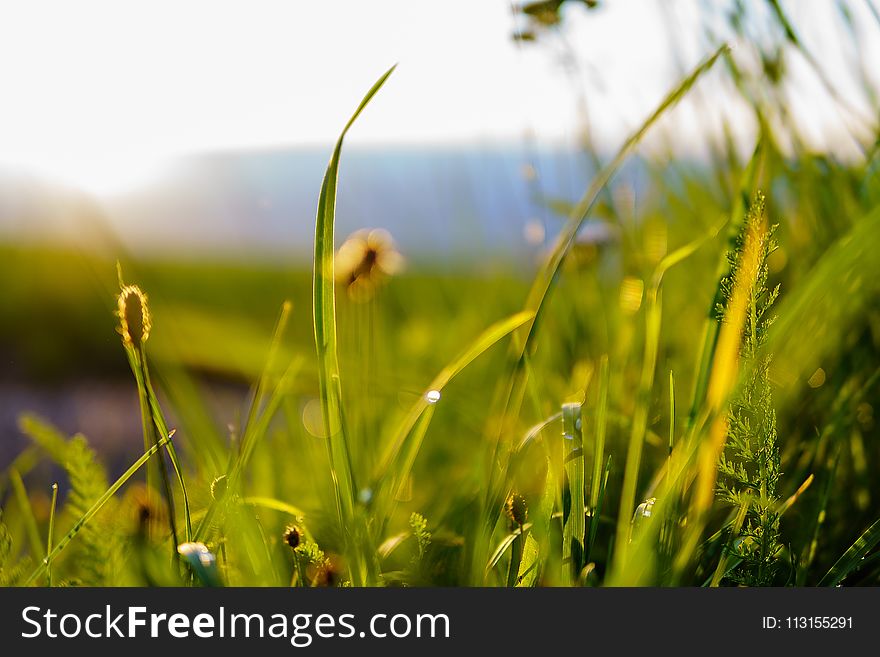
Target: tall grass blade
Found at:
x=324, y=301
x=851, y=559
x=405, y=444
x=573, y=462
x=97, y=506
x=549, y=272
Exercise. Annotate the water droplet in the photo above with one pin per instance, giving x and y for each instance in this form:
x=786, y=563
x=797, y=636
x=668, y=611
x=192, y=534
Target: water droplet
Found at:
x=643, y=512
x=432, y=396
x=365, y=496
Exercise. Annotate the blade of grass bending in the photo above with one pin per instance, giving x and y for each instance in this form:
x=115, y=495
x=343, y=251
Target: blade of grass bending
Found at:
x=394, y=462
x=728, y=547
x=853, y=556
x=260, y=390
x=99, y=503
x=275, y=505
x=549, y=272
x=50, y=533
x=505, y=544
x=324, y=302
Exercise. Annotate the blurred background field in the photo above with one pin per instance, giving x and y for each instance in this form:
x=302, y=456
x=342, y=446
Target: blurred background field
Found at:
x=472, y=158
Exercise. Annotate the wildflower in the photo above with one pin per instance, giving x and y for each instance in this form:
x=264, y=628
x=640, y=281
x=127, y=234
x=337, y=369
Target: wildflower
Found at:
x=134, y=316
x=196, y=553
x=365, y=260
x=292, y=536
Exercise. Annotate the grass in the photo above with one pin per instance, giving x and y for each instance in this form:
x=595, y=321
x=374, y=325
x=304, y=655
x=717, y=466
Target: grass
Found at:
x=462, y=429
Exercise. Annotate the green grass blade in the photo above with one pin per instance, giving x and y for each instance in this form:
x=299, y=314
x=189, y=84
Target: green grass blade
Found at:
x=405, y=444
x=596, y=511
x=324, y=301
x=275, y=505
x=852, y=558
x=601, y=430
x=99, y=503
x=549, y=272
x=138, y=361
x=505, y=543
x=573, y=461
x=51, y=533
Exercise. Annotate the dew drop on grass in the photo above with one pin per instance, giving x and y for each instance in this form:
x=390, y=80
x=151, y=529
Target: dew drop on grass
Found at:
x=432, y=396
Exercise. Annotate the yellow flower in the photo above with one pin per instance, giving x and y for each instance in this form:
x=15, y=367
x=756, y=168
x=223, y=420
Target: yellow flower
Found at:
x=365, y=260
x=134, y=316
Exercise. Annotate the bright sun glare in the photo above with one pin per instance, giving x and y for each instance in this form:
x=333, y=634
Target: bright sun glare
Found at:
x=104, y=176
x=97, y=93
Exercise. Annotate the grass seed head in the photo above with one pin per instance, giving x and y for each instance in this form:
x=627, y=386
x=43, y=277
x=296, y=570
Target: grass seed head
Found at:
x=292, y=536
x=134, y=316
x=218, y=487
x=516, y=509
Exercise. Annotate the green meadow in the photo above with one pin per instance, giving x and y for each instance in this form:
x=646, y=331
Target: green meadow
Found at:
x=690, y=401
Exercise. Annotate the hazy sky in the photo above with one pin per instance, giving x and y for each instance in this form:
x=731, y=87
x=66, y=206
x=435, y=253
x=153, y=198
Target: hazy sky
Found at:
x=97, y=91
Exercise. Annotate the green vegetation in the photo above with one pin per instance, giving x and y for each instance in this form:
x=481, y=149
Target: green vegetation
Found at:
x=595, y=426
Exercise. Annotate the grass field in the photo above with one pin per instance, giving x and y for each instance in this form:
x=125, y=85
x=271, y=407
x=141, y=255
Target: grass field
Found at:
x=688, y=401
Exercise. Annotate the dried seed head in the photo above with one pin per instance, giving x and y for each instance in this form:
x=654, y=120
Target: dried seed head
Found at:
x=134, y=316
x=292, y=536
x=516, y=509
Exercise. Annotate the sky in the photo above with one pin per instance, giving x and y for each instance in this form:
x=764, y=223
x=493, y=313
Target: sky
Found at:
x=99, y=93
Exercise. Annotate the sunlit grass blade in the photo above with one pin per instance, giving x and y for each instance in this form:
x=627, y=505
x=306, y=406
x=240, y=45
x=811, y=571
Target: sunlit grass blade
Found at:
x=549, y=272
x=505, y=544
x=51, y=533
x=275, y=505
x=97, y=506
x=851, y=559
x=405, y=443
x=262, y=384
x=324, y=301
